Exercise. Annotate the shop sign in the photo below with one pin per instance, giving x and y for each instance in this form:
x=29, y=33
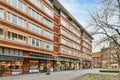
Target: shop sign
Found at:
x=7, y=58
x=40, y=55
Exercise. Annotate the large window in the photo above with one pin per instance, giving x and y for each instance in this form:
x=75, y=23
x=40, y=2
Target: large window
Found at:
x=63, y=32
x=34, y=14
x=63, y=41
x=1, y=13
x=48, y=23
x=48, y=34
x=48, y=11
x=36, y=2
x=16, y=20
x=17, y=4
x=48, y=46
x=34, y=66
x=1, y=33
x=34, y=42
x=16, y=37
x=63, y=23
x=34, y=28
x=64, y=50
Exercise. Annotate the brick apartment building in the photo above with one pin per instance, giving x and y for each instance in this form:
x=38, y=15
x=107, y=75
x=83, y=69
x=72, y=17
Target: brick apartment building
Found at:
x=40, y=34
x=106, y=58
x=97, y=59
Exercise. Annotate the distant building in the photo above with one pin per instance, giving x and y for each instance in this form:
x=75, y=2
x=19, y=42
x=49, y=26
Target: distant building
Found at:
x=96, y=60
x=106, y=57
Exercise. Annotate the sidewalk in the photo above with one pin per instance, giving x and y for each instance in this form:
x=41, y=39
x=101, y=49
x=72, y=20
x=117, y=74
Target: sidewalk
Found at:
x=62, y=75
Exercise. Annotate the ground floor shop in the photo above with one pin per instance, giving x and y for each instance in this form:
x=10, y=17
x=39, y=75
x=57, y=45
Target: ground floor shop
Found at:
x=14, y=62
x=10, y=65
x=40, y=65
x=67, y=64
x=86, y=64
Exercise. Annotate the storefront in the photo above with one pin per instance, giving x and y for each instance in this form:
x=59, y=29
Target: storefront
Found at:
x=86, y=64
x=10, y=65
x=34, y=66
x=67, y=64
x=41, y=62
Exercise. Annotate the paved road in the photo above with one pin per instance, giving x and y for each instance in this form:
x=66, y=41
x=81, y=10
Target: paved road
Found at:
x=62, y=75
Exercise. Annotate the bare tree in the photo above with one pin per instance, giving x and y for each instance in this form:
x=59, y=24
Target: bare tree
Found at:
x=106, y=22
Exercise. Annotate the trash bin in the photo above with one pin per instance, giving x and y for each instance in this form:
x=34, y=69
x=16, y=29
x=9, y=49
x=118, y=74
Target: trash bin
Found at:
x=48, y=72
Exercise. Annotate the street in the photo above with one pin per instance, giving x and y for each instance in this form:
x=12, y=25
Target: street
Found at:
x=62, y=75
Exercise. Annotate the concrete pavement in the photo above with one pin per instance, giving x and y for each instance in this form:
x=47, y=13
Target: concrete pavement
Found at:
x=62, y=75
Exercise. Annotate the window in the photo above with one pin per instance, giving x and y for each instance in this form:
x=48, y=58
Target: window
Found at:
x=1, y=13
x=69, y=43
x=63, y=50
x=48, y=46
x=36, y=2
x=34, y=28
x=1, y=33
x=63, y=23
x=16, y=20
x=34, y=42
x=70, y=52
x=17, y=4
x=16, y=37
x=35, y=14
x=48, y=34
x=63, y=41
x=63, y=32
x=48, y=11
x=48, y=23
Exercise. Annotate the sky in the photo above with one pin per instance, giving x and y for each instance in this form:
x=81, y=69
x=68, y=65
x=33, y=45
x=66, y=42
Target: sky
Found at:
x=79, y=9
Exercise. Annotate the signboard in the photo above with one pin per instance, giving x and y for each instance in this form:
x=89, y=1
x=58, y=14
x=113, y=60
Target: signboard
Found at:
x=41, y=55
x=7, y=58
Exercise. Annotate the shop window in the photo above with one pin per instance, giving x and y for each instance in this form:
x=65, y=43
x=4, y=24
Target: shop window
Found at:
x=34, y=66
x=1, y=13
x=43, y=65
x=1, y=33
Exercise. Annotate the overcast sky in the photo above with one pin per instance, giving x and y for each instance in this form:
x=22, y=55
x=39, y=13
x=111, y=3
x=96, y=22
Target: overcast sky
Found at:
x=79, y=9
